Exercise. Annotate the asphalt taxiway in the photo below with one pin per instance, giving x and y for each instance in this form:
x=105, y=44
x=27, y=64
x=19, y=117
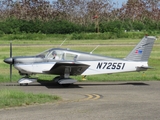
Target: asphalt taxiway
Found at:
x=91, y=101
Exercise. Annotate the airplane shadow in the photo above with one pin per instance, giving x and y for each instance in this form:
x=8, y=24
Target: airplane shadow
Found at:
x=53, y=85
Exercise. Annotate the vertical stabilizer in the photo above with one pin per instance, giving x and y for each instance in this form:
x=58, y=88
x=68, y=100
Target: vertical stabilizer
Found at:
x=143, y=50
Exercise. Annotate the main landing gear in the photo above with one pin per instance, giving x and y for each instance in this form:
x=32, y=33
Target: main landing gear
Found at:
x=65, y=82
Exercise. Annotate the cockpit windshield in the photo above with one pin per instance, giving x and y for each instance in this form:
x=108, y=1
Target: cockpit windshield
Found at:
x=51, y=54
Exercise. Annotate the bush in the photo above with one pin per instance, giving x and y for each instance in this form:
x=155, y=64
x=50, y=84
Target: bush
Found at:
x=107, y=35
x=111, y=26
x=112, y=29
x=138, y=26
x=60, y=27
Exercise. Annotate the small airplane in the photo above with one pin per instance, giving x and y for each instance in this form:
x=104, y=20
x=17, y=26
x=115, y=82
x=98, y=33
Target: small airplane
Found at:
x=66, y=63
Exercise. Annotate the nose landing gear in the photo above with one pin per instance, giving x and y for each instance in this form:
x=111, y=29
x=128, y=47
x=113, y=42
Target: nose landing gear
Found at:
x=25, y=81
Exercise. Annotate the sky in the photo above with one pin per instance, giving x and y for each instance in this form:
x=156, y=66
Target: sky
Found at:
x=120, y=2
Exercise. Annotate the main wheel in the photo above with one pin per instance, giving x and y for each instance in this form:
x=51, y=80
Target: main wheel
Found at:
x=56, y=79
x=23, y=84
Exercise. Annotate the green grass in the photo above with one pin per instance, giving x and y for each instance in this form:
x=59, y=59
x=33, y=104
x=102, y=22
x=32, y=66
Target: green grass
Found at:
x=117, y=48
x=13, y=98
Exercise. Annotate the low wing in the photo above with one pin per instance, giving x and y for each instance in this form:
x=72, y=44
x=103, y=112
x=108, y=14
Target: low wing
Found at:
x=74, y=68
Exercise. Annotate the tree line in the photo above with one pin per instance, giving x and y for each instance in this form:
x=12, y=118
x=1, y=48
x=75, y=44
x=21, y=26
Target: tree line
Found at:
x=71, y=16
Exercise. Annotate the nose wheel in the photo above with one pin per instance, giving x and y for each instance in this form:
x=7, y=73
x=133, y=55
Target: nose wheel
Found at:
x=23, y=84
x=25, y=81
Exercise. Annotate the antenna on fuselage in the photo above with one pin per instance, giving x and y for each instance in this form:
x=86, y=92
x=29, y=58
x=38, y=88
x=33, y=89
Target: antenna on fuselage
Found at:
x=62, y=43
x=94, y=49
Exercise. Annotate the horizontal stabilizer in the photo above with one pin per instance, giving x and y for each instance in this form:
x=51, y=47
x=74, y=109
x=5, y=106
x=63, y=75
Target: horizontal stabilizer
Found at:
x=143, y=68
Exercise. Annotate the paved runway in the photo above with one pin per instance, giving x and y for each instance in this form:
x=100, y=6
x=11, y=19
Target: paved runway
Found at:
x=92, y=101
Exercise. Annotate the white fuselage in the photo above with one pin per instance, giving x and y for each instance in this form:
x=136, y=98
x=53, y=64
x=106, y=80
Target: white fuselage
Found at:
x=95, y=67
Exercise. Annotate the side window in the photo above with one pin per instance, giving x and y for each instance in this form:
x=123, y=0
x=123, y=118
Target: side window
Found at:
x=70, y=56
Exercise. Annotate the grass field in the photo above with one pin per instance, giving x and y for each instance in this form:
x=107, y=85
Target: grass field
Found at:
x=12, y=98
x=113, y=47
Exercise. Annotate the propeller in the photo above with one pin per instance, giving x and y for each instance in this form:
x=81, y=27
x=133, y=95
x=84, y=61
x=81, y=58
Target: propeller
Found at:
x=11, y=64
